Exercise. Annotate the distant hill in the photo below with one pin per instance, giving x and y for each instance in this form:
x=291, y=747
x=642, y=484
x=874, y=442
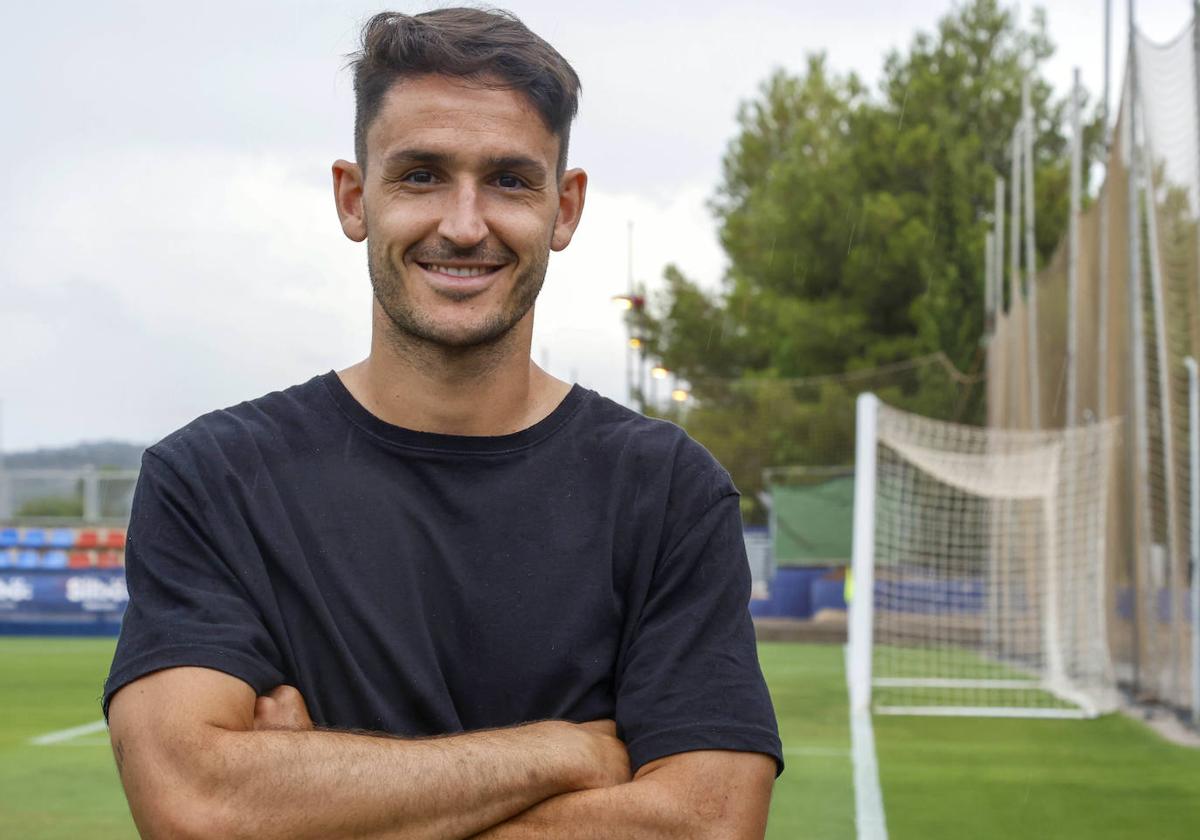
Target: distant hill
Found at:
x=101, y=453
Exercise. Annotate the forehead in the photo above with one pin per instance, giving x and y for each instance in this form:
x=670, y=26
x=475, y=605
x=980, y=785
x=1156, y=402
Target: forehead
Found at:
x=443, y=113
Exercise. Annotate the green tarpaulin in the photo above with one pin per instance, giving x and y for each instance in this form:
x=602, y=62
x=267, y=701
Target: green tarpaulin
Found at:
x=812, y=520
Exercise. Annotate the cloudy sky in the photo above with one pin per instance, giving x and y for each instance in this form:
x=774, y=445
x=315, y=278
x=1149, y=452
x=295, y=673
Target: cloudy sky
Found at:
x=168, y=242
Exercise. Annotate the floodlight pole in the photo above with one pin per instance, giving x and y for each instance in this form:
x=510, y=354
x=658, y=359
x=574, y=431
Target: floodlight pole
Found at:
x=1194, y=436
x=1073, y=257
x=628, y=331
x=1102, y=273
x=1014, y=276
x=1035, y=401
x=1139, y=451
x=989, y=282
x=998, y=285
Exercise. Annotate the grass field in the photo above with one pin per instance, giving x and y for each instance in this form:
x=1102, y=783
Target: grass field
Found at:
x=941, y=777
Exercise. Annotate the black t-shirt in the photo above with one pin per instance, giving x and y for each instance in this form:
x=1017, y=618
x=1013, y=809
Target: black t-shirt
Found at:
x=590, y=566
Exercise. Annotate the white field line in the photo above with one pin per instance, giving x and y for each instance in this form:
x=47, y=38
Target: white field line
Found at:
x=67, y=734
x=869, y=820
x=868, y=798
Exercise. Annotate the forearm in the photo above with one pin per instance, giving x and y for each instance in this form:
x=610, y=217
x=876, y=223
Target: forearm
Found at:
x=701, y=795
x=325, y=784
x=639, y=809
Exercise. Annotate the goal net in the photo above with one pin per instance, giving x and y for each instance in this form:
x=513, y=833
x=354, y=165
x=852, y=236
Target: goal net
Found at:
x=978, y=569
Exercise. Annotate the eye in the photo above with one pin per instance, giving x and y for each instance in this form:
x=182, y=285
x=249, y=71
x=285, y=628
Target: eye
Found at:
x=419, y=176
x=508, y=181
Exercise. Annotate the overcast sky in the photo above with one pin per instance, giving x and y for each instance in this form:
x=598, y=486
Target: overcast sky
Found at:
x=168, y=242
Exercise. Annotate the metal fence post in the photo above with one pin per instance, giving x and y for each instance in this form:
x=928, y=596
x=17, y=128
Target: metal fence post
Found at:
x=1194, y=515
x=91, y=495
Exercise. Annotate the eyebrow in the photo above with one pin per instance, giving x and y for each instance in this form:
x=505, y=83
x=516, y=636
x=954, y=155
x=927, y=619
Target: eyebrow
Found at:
x=519, y=163
x=410, y=157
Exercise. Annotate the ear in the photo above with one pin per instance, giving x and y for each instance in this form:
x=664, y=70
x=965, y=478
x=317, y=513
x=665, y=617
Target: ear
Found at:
x=572, y=189
x=348, y=196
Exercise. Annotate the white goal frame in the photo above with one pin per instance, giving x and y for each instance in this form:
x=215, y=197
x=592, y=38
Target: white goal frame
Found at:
x=1072, y=698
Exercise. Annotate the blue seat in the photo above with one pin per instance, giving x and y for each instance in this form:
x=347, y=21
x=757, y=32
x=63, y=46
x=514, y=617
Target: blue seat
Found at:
x=7, y=559
x=34, y=538
x=62, y=538
x=29, y=559
x=9, y=538
x=56, y=559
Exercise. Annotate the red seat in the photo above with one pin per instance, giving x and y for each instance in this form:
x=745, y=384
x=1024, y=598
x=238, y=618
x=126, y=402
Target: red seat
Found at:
x=79, y=560
x=112, y=559
x=114, y=538
x=87, y=539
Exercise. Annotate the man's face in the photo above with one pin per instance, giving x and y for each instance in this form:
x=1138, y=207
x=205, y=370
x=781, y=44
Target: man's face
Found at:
x=461, y=205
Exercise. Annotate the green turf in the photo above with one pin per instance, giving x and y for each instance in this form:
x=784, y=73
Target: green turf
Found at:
x=963, y=663
x=1104, y=779
x=68, y=790
x=815, y=795
x=942, y=777
x=71, y=790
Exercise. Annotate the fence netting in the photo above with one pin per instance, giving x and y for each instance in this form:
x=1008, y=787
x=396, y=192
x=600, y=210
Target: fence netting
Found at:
x=1145, y=545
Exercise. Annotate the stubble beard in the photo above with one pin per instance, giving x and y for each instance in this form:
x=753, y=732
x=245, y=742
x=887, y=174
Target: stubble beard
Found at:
x=410, y=328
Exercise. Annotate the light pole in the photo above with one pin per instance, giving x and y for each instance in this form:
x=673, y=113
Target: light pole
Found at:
x=632, y=305
x=656, y=373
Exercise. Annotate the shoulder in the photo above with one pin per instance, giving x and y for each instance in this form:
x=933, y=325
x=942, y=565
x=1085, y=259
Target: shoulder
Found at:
x=250, y=432
x=653, y=450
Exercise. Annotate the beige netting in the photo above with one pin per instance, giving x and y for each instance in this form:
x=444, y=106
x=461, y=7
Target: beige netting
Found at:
x=1148, y=534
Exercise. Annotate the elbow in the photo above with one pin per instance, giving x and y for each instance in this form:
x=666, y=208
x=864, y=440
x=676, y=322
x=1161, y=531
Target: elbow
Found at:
x=182, y=817
x=185, y=815
x=186, y=798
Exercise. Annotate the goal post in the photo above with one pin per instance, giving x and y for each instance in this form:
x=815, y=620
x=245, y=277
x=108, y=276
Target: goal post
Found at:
x=978, y=565
x=862, y=559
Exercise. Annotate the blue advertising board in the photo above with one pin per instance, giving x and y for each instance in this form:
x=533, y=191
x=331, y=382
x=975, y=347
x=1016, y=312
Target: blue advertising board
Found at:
x=73, y=602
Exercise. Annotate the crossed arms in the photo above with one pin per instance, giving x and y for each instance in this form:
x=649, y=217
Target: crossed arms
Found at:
x=201, y=757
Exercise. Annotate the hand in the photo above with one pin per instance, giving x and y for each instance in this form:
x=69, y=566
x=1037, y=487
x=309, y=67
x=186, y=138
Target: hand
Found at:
x=605, y=758
x=283, y=708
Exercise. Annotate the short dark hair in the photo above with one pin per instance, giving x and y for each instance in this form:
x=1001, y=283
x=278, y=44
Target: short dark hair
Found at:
x=490, y=47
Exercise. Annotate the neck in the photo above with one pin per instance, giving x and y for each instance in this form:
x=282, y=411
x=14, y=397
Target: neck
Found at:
x=484, y=391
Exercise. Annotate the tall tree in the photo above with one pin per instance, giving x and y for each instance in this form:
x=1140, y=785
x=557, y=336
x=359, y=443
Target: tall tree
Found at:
x=854, y=227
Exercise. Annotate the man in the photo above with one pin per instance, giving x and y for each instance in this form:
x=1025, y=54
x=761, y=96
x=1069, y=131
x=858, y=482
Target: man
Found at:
x=512, y=607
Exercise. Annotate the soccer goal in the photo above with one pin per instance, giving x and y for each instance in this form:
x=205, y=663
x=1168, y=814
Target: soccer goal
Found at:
x=978, y=569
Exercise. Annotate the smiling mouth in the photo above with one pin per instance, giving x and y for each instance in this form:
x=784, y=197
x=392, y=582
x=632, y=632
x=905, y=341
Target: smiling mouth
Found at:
x=460, y=271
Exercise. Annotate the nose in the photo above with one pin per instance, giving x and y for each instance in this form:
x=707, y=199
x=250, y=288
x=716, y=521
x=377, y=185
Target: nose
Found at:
x=462, y=222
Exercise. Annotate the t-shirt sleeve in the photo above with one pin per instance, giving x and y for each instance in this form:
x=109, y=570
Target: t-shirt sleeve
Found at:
x=691, y=679
x=188, y=606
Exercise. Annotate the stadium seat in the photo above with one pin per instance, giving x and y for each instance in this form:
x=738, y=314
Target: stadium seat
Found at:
x=79, y=560
x=56, y=559
x=29, y=559
x=9, y=538
x=7, y=558
x=87, y=538
x=110, y=560
x=114, y=538
x=33, y=538
x=62, y=538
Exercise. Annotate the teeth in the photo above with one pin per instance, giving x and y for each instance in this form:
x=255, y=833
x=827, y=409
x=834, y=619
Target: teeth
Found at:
x=459, y=272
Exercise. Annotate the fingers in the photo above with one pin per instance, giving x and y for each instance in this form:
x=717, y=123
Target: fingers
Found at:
x=282, y=708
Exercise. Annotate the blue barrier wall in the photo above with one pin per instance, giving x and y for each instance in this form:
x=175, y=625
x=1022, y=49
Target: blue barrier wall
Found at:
x=55, y=602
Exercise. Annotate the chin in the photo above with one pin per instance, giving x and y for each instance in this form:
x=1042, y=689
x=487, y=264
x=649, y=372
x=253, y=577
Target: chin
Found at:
x=459, y=336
